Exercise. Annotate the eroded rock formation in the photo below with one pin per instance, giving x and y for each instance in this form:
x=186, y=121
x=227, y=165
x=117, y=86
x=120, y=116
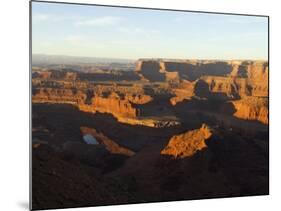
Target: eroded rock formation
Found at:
x=188, y=143
x=169, y=70
x=115, y=105
x=252, y=108
x=135, y=102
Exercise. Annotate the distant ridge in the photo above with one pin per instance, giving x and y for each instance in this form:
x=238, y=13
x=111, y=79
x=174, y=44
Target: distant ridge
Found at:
x=201, y=60
x=64, y=59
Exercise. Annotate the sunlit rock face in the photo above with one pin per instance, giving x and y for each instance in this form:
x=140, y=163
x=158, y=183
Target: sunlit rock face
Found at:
x=115, y=105
x=252, y=108
x=177, y=80
x=188, y=143
x=58, y=95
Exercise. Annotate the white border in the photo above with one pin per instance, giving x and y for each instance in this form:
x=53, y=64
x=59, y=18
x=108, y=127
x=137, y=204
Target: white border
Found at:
x=15, y=103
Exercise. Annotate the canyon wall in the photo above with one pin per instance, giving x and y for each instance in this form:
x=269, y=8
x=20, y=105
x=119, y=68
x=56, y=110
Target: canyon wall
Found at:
x=160, y=86
x=252, y=108
x=242, y=78
x=157, y=69
x=115, y=105
x=244, y=83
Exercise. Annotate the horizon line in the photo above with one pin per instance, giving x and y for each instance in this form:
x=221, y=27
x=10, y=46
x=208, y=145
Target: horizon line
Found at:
x=153, y=58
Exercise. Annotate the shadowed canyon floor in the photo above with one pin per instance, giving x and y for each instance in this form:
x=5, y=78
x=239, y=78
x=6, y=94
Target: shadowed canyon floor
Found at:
x=168, y=130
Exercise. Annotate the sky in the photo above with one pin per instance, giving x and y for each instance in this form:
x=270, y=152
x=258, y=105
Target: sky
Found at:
x=113, y=32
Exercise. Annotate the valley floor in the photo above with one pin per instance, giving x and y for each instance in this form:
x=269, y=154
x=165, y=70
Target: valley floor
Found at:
x=127, y=165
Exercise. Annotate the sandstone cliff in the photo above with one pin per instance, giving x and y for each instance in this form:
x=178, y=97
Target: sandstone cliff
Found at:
x=234, y=79
x=160, y=86
x=58, y=95
x=166, y=70
x=252, y=108
x=115, y=105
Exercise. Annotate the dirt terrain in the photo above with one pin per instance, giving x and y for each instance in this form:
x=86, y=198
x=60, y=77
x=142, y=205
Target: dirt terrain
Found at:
x=167, y=130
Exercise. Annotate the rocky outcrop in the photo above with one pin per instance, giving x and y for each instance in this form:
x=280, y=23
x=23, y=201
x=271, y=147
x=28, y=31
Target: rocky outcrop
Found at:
x=115, y=105
x=252, y=108
x=231, y=87
x=58, y=95
x=188, y=143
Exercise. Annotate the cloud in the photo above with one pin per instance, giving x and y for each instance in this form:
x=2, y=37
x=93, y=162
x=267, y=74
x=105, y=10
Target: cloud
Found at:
x=101, y=21
x=45, y=17
x=77, y=20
